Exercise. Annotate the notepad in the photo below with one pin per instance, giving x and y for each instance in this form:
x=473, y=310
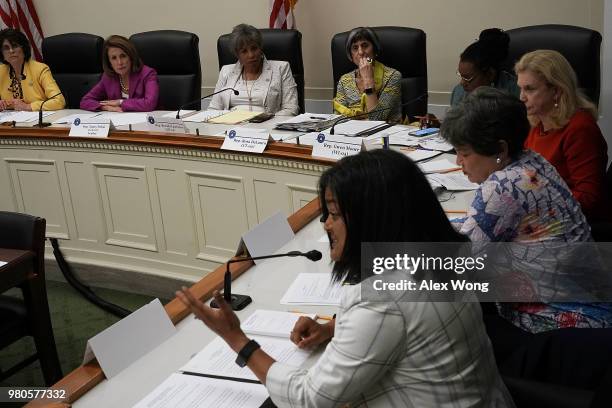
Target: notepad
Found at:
x=271, y=323
x=438, y=166
x=234, y=117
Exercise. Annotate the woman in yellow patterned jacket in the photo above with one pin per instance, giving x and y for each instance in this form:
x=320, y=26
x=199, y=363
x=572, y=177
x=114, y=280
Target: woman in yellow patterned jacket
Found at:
x=372, y=87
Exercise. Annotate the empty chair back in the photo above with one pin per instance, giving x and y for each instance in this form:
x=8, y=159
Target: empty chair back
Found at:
x=75, y=60
x=279, y=45
x=403, y=49
x=579, y=45
x=175, y=55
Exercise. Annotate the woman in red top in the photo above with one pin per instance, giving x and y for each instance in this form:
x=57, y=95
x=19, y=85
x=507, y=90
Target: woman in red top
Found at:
x=564, y=128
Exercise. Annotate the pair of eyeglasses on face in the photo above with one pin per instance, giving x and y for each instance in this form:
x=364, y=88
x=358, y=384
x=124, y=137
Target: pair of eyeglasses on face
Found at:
x=466, y=79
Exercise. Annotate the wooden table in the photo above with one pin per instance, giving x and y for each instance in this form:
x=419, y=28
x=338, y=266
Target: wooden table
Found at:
x=19, y=267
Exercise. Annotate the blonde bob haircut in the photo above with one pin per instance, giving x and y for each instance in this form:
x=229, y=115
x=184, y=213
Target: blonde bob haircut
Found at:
x=553, y=68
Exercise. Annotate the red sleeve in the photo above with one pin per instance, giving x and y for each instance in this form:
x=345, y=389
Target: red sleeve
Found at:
x=585, y=151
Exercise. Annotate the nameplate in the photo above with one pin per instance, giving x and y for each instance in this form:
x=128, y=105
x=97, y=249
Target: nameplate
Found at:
x=161, y=124
x=335, y=147
x=268, y=237
x=126, y=341
x=245, y=141
x=90, y=128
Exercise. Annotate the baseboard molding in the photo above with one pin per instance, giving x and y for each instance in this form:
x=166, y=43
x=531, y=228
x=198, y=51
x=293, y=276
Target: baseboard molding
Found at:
x=125, y=281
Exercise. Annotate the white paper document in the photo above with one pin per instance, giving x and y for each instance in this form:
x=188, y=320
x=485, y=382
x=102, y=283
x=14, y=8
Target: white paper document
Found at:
x=204, y=116
x=438, y=166
x=70, y=118
x=22, y=116
x=452, y=181
x=271, y=323
x=3, y=263
x=313, y=289
x=309, y=117
x=189, y=391
x=183, y=112
x=353, y=127
x=419, y=154
x=436, y=143
x=218, y=359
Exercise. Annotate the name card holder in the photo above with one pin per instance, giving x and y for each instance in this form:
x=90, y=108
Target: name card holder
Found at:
x=242, y=140
x=161, y=124
x=90, y=127
x=336, y=147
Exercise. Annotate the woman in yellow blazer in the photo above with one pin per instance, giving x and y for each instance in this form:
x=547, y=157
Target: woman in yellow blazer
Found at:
x=24, y=83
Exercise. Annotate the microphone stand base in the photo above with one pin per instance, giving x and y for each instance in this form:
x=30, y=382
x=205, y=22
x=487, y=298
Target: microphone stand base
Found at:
x=42, y=125
x=239, y=302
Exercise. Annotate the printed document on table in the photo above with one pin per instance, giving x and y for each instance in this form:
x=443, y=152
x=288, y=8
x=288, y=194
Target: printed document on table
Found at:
x=180, y=390
x=217, y=358
x=309, y=117
x=453, y=181
x=205, y=116
x=182, y=113
x=353, y=127
x=313, y=289
x=438, y=166
x=70, y=118
x=22, y=116
x=271, y=323
x=234, y=117
x=419, y=154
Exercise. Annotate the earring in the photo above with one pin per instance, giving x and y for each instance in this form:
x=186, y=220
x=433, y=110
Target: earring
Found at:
x=556, y=105
x=498, y=160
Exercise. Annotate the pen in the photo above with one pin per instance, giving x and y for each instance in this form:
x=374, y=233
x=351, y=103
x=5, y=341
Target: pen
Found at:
x=317, y=316
x=318, y=117
x=455, y=212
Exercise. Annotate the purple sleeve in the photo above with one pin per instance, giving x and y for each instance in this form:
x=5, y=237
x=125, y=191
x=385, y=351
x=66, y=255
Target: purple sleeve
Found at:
x=91, y=100
x=148, y=102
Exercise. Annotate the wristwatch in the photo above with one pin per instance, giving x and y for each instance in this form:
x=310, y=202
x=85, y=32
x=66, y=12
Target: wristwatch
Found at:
x=368, y=91
x=245, y=353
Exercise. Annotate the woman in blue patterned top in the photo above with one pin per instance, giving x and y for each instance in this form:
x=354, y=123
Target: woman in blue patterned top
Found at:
x=522, y=198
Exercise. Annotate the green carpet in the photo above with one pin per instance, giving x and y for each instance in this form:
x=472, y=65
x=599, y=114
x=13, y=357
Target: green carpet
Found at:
x=74, y=320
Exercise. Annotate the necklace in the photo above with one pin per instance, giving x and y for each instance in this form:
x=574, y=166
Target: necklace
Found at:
x=124, y=89
x=249, y=91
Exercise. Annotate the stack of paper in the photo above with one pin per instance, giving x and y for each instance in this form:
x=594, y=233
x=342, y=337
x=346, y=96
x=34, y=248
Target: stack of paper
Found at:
x=271, y=323
x=417, y=154
x=205, y=116
x=313, y=289
x=70, y=118
x=359, y=127
x=308, y=122
x=234, y=117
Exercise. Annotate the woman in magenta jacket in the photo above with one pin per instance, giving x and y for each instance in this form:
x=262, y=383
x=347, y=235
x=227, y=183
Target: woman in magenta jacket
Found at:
x=127, y=85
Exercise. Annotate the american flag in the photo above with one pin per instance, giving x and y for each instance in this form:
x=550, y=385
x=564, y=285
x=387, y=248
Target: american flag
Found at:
x=281, y=13
x=21, y=15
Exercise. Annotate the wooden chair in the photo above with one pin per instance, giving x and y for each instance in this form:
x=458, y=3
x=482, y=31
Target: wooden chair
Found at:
x=25, y=234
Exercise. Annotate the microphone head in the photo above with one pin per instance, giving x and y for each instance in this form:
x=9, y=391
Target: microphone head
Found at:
x=236, y=92
x=313, y=255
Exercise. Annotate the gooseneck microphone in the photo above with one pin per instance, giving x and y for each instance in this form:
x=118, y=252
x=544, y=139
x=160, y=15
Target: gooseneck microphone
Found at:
x=202, y=98
x=239, y=302
x=347, y=118
x=40, y=111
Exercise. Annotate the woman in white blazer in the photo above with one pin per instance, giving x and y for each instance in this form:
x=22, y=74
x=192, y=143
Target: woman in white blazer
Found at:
x=262, y=85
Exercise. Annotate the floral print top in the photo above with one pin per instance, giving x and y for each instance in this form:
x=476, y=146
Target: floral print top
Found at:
x=527, y=201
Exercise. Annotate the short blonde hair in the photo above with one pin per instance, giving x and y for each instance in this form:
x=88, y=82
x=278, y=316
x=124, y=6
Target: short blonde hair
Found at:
x=553, y=68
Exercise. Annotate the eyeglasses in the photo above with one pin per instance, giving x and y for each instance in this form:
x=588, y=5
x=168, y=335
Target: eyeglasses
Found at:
x=466, y=80
x=12, y=47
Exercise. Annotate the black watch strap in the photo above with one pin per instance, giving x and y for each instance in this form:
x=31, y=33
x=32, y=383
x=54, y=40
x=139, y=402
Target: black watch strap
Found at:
x=368, y=91
x=245, y=353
